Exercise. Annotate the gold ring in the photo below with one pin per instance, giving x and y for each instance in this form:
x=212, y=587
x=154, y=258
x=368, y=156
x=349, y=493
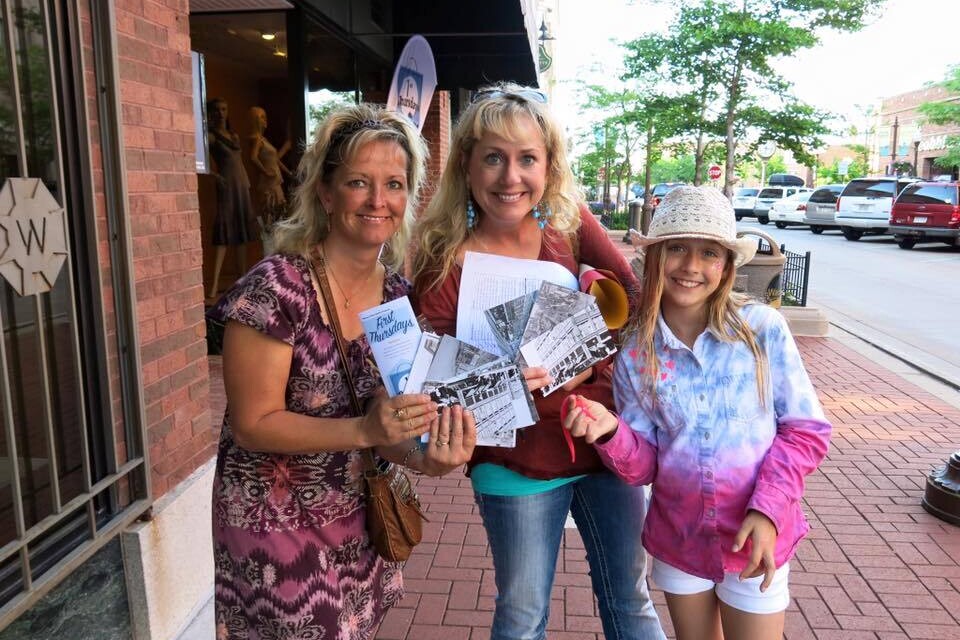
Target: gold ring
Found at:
x=441, y=444
x=400, y=413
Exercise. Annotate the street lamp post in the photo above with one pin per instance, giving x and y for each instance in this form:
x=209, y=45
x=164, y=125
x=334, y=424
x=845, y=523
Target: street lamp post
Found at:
x=893, y=149
x=765, y=152
x=917, y=136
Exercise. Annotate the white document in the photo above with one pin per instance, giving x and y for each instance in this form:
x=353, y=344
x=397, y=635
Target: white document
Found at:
x=393, y=334
x=489, y=280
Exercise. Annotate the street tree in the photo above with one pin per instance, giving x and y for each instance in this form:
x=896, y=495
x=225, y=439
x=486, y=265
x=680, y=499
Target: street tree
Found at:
x=734, y=42
x=681, y=60
x=946, y=112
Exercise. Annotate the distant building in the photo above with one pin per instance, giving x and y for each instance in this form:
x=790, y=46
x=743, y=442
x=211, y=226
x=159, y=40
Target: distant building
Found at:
x=902, y=136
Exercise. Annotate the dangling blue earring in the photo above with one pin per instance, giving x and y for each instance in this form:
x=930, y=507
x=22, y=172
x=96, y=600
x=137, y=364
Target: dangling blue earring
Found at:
x=542, y=217
x=471, y=214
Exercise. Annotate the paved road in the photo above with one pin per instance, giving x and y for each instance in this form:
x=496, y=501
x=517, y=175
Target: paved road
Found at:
x=906, y=302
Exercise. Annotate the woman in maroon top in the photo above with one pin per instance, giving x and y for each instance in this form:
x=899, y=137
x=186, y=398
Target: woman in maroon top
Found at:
x=507, y=190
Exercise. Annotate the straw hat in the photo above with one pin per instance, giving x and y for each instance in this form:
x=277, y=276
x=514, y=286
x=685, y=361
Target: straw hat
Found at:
x=698, y=212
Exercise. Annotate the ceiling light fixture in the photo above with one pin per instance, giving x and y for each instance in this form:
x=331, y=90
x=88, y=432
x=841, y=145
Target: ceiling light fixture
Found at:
x=266, y=35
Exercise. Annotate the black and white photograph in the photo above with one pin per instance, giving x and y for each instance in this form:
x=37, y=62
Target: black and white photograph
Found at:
x=498, y=398
x=578, y=341
x=426, y=350
x=455, y=358
x=508, y=322
x=553, y=304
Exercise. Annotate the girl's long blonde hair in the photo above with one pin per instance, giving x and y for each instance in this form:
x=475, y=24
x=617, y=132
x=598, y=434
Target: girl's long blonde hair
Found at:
x=442, y=228
x=723, y=318
x=337, y=141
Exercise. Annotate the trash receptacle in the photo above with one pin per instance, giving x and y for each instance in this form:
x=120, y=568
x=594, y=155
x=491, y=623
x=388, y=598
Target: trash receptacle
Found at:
x=762, y=277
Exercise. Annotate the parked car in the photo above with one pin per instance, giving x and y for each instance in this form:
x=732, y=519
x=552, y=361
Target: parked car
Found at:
x=790, y=210
x=785, y=180
x=769, y=195
x=744, y=200
x=926, y=212
x=822, y=208
x=865, y=203
x=659, y=190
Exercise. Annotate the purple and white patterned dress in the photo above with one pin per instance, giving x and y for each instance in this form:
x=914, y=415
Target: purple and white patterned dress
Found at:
x=292, y=557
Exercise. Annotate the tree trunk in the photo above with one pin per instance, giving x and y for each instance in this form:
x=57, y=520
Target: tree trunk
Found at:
x=647, y=171
x=731, y=141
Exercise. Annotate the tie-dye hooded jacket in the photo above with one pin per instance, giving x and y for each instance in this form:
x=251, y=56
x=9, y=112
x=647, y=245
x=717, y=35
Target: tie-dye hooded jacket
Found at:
x=711, y=449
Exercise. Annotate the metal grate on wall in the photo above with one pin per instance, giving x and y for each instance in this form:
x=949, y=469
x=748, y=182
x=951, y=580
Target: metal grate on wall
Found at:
x=72, y=467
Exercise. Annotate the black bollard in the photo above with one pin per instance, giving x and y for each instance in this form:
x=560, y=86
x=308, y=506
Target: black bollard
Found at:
x=942, y=496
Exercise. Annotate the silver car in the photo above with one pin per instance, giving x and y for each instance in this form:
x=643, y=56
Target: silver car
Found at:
x=822, y=208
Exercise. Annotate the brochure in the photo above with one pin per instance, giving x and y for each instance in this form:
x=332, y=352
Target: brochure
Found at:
x=394, y=334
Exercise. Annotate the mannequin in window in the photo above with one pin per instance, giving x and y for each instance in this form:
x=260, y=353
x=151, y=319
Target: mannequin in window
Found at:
x=268, y=192
x=233, y=221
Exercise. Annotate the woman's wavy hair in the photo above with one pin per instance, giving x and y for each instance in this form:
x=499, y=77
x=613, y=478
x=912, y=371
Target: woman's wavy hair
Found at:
x=336, y=143
x=723, y=318
x=497, y=109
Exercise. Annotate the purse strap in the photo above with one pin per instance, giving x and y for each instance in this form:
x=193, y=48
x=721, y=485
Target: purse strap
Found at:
x=319, y=269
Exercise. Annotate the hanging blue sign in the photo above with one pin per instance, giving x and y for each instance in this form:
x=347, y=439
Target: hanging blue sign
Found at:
x=414, y=81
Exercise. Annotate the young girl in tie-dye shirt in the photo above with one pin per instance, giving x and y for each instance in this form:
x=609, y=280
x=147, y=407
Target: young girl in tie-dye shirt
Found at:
x=717, y=411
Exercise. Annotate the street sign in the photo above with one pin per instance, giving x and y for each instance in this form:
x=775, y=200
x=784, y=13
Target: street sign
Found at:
x=714, y=172
x=843, y=167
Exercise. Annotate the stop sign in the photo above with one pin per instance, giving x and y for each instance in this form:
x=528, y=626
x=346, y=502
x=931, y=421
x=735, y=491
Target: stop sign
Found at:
x=714, y=172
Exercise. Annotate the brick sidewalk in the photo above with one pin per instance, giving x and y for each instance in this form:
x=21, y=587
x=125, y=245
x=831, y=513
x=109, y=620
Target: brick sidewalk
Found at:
x=875, y=565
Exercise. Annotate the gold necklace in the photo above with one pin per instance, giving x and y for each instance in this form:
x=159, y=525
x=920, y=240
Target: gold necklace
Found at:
x=343, y=294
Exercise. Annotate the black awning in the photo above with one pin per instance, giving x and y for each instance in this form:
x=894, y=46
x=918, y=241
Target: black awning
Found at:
x=474, y=43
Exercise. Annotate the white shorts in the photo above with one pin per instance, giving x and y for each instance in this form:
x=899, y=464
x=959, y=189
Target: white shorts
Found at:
x=745, y=596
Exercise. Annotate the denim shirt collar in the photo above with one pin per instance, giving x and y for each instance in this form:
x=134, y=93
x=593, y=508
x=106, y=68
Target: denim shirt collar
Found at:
x=671, y=341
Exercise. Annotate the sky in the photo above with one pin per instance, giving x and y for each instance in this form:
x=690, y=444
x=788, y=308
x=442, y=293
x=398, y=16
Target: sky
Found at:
x=909, y=44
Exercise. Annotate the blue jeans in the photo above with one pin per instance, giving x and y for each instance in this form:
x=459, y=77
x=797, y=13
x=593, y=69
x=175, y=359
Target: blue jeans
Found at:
x=524, y=534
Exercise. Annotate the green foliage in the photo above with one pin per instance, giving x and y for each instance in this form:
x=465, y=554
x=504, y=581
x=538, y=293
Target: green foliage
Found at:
x=675, y=169
x=717, y=56
x=329, y=101
x=831, y=174
x=33, y=74
x=751, y=170
x=946, y=113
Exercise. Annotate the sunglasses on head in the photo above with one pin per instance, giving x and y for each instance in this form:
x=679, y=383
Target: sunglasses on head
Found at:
x=532, y=95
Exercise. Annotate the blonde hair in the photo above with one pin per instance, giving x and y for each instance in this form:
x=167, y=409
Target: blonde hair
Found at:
x=337, y=141
x=723, y=318
x=442, y=228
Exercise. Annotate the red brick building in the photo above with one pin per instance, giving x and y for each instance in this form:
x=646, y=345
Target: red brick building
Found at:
x=903, y=137
x=107, y=431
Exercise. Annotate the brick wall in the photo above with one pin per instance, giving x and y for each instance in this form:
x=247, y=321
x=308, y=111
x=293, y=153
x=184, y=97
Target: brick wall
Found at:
x=153, y=39
x=436, y=129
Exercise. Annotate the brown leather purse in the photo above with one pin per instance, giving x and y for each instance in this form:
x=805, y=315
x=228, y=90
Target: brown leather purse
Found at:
x=394, y=516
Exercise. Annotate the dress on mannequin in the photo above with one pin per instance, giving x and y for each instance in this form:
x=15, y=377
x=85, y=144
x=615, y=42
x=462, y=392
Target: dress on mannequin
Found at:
x=270, y=199
x=233, y=220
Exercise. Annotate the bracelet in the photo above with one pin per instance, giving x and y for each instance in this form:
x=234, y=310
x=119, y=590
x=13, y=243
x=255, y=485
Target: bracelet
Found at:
x=406, y=457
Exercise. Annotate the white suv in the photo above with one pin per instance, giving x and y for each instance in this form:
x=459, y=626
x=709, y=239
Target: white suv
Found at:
x=770, y=195
x=865, y=203
x=744, y=200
